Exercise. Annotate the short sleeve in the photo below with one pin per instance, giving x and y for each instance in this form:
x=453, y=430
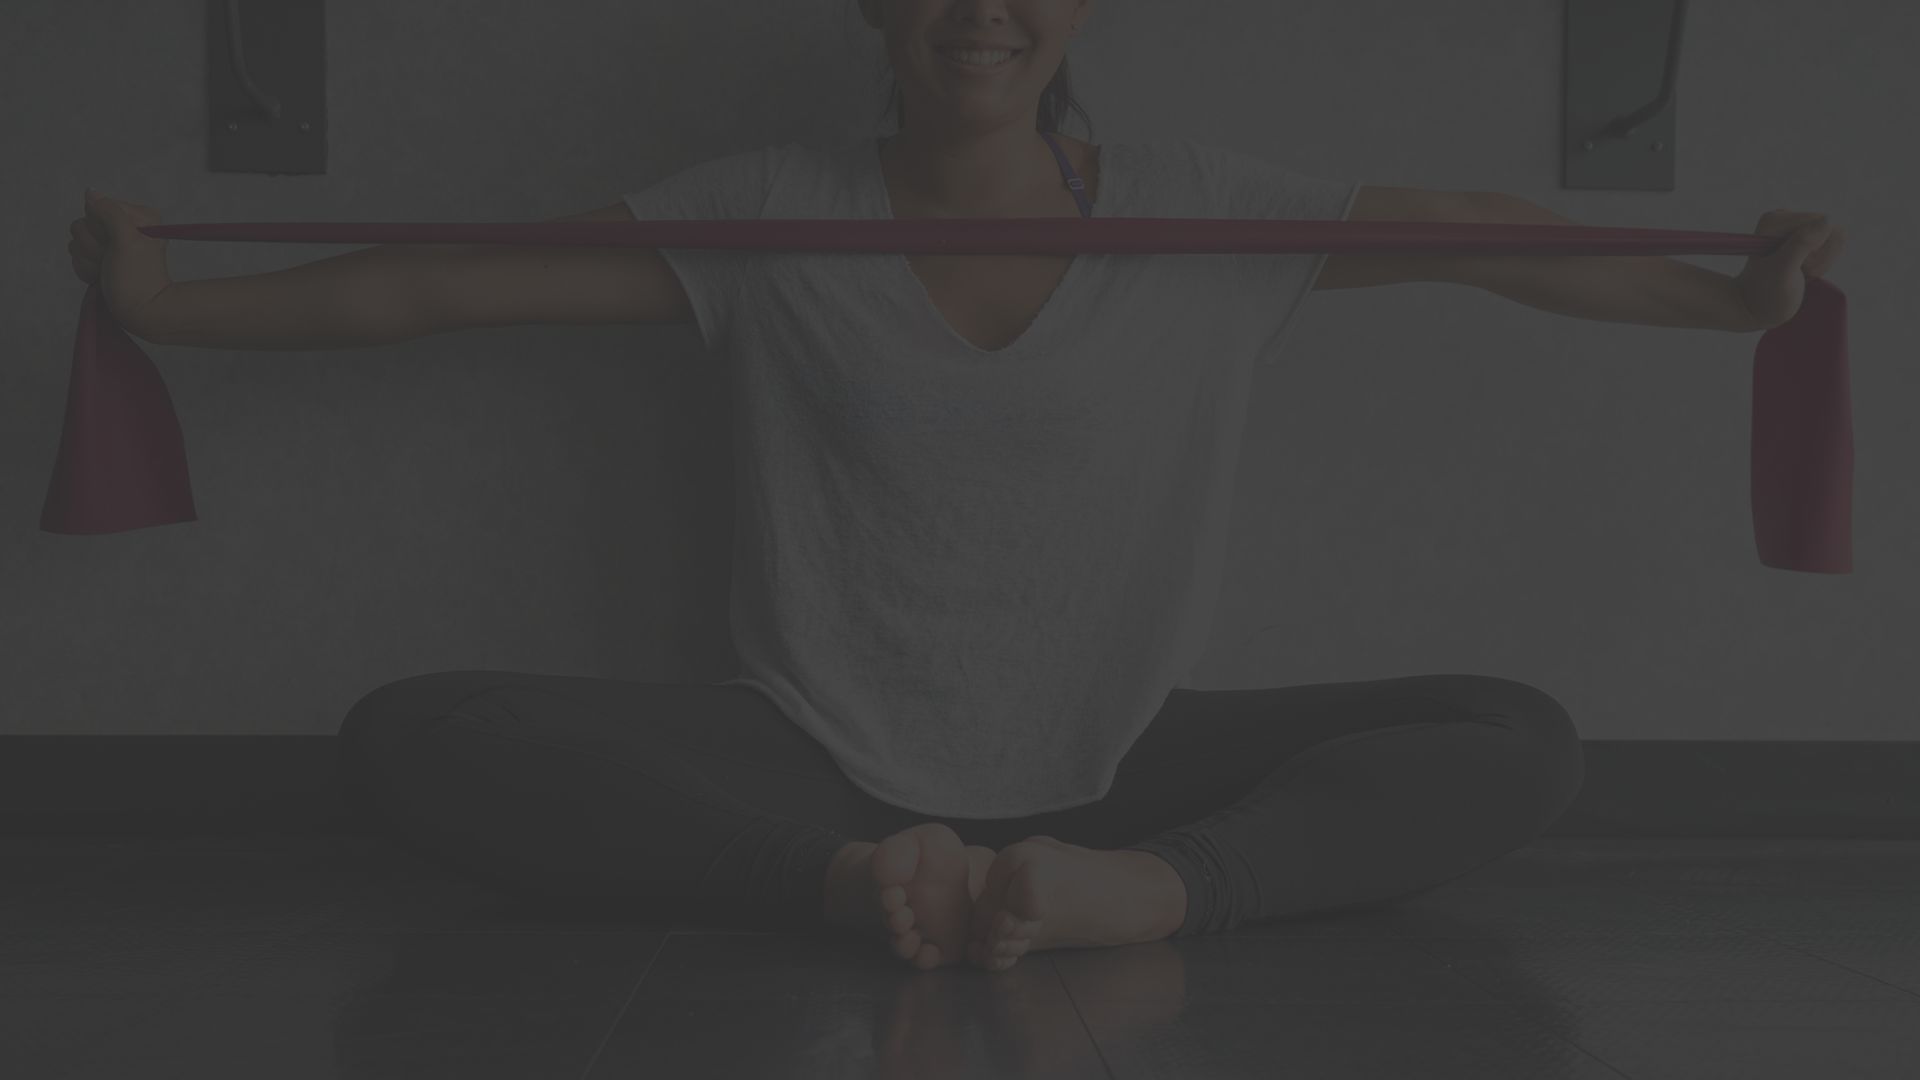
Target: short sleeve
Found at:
x=731, y=188
x=1248, y=186
x=1243, y=185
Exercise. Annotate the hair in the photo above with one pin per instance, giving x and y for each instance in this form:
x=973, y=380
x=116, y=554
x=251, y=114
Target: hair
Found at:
x=1055, y=102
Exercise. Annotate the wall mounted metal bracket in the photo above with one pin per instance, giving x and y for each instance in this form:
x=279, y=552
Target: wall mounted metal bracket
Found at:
x=267, y=86
x=1622, y=96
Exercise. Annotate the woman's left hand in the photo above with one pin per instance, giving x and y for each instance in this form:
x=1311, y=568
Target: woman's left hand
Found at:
x=1773, y=285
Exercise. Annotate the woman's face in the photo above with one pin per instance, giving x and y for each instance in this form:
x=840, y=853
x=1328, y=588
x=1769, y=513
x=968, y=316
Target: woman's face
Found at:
x=919, y=34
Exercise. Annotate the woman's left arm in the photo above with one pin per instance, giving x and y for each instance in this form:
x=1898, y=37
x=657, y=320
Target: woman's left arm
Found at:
x=1656, y=290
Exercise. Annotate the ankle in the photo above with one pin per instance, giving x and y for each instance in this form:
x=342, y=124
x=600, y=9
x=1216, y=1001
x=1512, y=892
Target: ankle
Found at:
x=1169, y=891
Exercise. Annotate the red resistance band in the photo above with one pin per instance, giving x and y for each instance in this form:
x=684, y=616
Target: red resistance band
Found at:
x=122, y=463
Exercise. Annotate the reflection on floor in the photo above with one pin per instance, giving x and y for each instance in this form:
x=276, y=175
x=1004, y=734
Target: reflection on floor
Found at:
x=345, y=956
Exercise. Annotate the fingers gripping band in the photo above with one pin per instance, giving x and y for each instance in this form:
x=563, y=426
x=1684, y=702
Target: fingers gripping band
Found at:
x=122, y=461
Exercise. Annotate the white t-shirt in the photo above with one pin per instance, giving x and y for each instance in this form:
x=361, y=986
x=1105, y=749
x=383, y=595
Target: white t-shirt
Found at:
x=972, y=576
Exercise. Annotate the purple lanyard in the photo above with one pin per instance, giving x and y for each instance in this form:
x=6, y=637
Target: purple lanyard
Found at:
x=1078, y=185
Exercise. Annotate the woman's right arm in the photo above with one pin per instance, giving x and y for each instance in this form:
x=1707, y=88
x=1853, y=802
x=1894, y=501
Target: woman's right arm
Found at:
x=397, y=292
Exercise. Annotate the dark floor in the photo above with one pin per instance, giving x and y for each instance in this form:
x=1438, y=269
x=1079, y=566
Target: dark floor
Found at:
x=1576, y=957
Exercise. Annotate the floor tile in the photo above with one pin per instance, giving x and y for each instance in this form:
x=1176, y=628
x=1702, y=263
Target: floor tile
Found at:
x=1793, y=1039
x=1706, y=860
x=1892, y=959
x=1171, y=977
x=1579, y=970
x=317, y=1035
x=1806, y=909
x=1456, y=910
x=1248, y=1039
x=938, y=1025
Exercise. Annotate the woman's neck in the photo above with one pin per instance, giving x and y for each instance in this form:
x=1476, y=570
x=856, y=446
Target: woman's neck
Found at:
x=971, y=173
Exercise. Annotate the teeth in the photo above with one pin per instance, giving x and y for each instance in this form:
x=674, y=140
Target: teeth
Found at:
x=983, y=59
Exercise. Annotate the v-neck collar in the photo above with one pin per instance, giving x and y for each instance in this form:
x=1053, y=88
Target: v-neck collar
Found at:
x=880, y=204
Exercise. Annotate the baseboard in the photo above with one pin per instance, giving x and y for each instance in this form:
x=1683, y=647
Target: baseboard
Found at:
x=252, y=784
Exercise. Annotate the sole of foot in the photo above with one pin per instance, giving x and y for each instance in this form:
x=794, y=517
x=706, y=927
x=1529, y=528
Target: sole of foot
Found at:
x=923, y=880
x=1042, y=894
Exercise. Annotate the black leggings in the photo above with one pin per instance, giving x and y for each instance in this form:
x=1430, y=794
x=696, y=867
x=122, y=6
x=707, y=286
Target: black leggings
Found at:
x=683, y=800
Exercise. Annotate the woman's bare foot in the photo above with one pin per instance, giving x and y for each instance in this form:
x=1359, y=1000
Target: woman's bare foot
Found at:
x=914, y=889
x=1044, y=894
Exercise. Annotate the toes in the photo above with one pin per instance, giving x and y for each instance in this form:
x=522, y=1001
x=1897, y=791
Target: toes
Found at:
x=1014, y=943
x=907, y=946
x=1008, y=902
x=993, y=895
x=893, y=898
x=1009, y=925
x=994, y=961
x=900, y=921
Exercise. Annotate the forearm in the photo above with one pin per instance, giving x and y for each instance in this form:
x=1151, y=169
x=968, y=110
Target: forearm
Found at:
x=1648, y=290
x=347, y=301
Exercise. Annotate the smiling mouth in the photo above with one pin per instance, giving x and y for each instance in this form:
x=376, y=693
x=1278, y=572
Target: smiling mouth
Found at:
x=972, y=58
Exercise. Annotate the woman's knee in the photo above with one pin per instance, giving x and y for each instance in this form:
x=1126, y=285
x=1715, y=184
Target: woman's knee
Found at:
x=1555, y=757
x=1509, y=699
x=396, y=712
x=428, y=695
x=1559, y=761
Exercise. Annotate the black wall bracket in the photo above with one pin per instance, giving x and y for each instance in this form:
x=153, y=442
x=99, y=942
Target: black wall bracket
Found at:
x=1622, y=93
x=267, y=86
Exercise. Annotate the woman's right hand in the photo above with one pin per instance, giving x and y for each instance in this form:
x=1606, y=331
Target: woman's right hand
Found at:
x=130, y=267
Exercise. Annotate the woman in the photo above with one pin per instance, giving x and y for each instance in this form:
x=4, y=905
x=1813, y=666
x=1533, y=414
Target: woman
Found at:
x=980, y=521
